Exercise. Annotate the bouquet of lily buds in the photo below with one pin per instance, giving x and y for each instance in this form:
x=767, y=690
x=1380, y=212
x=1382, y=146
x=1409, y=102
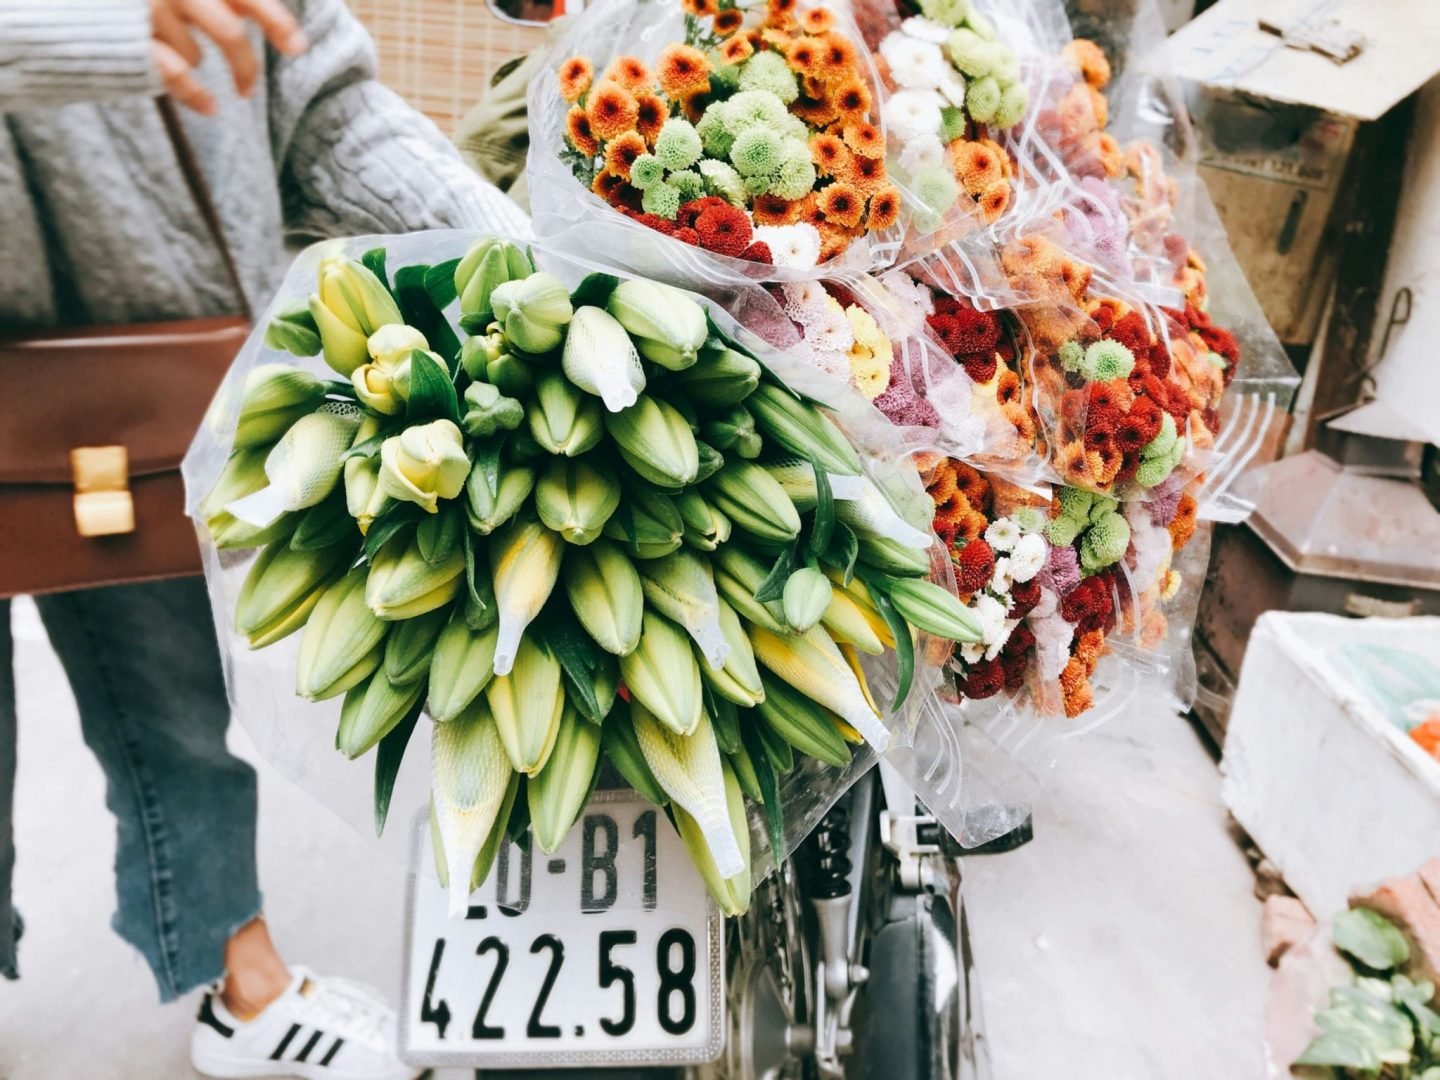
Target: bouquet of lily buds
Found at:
x=589, y=526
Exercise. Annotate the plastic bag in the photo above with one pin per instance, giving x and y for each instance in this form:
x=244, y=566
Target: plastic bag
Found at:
x=798, y=231
x=298, y=737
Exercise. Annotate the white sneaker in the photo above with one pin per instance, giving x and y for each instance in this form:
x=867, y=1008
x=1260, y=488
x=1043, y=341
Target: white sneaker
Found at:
x=318, y=1029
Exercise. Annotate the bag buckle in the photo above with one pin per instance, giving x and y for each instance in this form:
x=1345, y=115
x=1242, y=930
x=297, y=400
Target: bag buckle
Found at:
x=103, y=503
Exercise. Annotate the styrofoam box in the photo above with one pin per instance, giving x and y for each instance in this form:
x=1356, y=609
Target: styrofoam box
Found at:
x=1330, y=789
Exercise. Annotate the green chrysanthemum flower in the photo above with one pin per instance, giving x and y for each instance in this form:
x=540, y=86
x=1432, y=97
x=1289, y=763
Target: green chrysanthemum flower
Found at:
x=1075, y=503
x=947, y=12
x=755, y=186
x=769, y=72
x=925, y=220
x=1103, y=506
x=1014, y=100
x=714, y=132
x=981, y=25
x=678, y=146
x=797, y=176
x=1072, y=354
x=662, y=200
x=1153, y=473
x=982, y=99
x=936, y=188
x=689, y=183
x=971, y=54
x=952, y=123
x=756, y=152
x=754, y=108
x=1104, y=543
x=1163, y=445
x=1061, y=531
x=723, y=74
x=1029, y=518
x=721, y=179
x=646, y=171
x=1107, y=360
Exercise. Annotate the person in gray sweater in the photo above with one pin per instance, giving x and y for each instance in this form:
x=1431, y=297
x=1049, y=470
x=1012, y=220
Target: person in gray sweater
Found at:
x=295, y=138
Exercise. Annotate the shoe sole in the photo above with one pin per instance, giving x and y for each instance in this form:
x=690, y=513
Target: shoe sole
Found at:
x=222, y=1068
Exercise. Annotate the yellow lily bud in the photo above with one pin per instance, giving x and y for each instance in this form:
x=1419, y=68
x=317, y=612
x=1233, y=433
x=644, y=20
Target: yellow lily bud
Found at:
x=424, y=464
x=349, y=305
x=384, y=383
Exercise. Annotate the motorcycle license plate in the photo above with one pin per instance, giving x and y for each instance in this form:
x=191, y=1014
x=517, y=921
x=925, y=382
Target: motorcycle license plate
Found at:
x=607, y=953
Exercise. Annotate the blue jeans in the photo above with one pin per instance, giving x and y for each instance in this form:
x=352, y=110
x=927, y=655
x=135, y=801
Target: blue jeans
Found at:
x=146, y=673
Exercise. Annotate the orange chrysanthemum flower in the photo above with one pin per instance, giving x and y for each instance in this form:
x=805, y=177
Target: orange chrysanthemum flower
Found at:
x=737, y=50
x=839, y=59
x=833, y=243
x=865, y=139
x=651, y=114
x=728, y=22
x=575, y=76
x=1088, y=60
x=808, y=210
x=842, y=205
x=703, y=8
x=607, y=185
x=994, y=201
x=804, y=55
x=1007, y=389
x=829, y=154
x=622, y=151
x=884, y=209
x=852, y=100
x=577, y=131
x=779, y=40
x=976, y=165
x=683, y=68
x=630, y=73
x=815, y=111
x=864, y=174
x=780, y=14
x=693, y=104
x=612, y=111
x=817, y=20
x=773, y=210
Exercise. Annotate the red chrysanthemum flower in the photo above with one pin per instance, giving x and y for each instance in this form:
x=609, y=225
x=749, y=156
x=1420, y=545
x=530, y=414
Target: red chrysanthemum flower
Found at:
x=687, y=236
x=724, y=229
x=656, y=222
x=1130, y=432
x=1014, y=665
x=981, y=367
x=690, y=212
x=1025, y=594
x=758, y=252
x=1221, y=341
x=985, y=679
x=974, y=566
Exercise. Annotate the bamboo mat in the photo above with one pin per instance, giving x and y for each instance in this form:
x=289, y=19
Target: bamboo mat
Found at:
x=440, y=54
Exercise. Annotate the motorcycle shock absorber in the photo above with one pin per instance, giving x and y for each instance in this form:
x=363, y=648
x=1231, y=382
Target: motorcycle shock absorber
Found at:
x=829, y=855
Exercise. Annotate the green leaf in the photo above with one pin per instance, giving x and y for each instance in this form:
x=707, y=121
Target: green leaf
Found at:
x=487, y=460
x=438, y=534
x=773, y=587
x=1371, y=938
x=476, y=322
x=324, y=525
x=518, y=827
x=578, y=654
x=711, y=461
x=1415, y=998
x=900, y=630
x=1374, y=1024
x=471, y=591
x=388, y=756
x=421, y=312
x=1338, y=1051
x=440, y=283
x=293, y=330
x=374, y=261
x=844, y=551
x=824, y=523
x=769, y=788
x=776, y=750
x=725, y=719
x=432, y=394
x=594, y=291
x=387, y=524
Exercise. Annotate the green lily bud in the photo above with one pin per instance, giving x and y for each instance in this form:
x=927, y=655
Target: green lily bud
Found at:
x=558, y=792
x=350, y=304
x=480, y=350
x=532, y=312
x=488, y=263
x=282, y=588
x=732, y=894
x=244, y=474
x=511, y=374
x=403, y=585
x=424, y=464
x=409, y=645
x=563, y=419
x=276, y=395
x=343, y=642
x=461, y=666
x=384, y=383
x=293, y=330
x=487, y=510
x=371, y=710
x=303, y=467
x=807, y=595
x=488, y=411
x=576, y=498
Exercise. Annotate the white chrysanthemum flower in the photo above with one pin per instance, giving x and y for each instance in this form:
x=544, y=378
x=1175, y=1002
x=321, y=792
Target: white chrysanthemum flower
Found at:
x=796, y=246
x=1003, y=534
x=1028, y=557
x=831, y=362
x=972, y=652
x=921, y=153
x=914, y=63
x=1052, y=644
x=907, y=290
x=991, y=615
x=913, y=114
x=952, y=86
x=994, y=649
x=832, y=330
x=804, y=301
x=1000, y=580
x=917, y=26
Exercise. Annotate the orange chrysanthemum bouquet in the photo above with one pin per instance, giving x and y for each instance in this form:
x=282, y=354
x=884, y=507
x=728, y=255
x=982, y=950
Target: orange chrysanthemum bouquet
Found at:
x=749, y=134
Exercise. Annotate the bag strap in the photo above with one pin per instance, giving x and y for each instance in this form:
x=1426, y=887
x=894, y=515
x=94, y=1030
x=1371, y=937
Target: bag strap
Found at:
x=200, y=193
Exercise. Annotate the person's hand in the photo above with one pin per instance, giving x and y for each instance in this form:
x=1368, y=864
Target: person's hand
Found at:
x=176, y=23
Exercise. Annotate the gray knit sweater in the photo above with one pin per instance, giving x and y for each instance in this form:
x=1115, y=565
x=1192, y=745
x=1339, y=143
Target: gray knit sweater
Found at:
x=96, y=224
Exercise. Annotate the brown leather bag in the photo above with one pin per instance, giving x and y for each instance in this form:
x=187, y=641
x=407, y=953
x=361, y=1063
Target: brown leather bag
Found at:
x=90, y=487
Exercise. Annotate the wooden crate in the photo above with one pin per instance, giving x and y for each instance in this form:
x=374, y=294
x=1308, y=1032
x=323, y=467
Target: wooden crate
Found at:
x=440, y=54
